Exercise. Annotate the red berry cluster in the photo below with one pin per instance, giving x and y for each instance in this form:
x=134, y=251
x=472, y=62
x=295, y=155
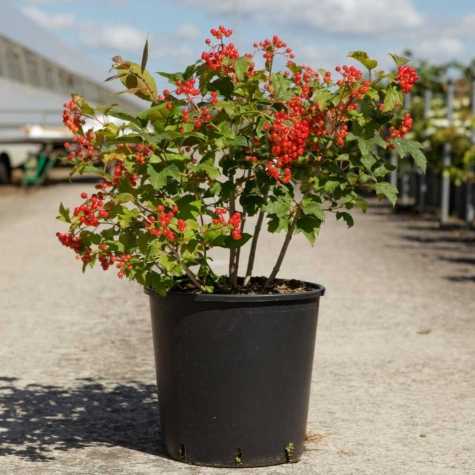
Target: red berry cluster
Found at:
x=181, y=225
x=221, y=32
x=234, y=222
x=123, y=264
x=69, y=240
x=406, y=77
x=105, y=257
x=103, y=185
x=288, y=136
x=86, y=256
x=72, y=116
x=285, y=176
x=187, y=87
x=82, y=147
x=340, y=134
x=271, y=47
x=359, y=91
x=141, y=152
x=119, y=173
x=350, y=74
x=303, y=78
x=405, y=127
x=203, y=118
x=90, y=212
x=218, y=53
x=161, y=226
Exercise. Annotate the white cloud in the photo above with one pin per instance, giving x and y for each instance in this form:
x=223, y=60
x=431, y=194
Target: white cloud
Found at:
x=49, y=20
x=180, y=55
x=340, y=16
x=464, y=27
x=114, y=37
x=439, y=49
x=319, y=57
x=48, y=2
x=188, y=32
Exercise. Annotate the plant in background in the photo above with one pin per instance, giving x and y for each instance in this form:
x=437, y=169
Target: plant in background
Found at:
x=236, y=142
x=433, y=128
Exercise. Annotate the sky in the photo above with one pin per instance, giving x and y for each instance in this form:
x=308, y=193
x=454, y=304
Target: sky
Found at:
x=321, y=32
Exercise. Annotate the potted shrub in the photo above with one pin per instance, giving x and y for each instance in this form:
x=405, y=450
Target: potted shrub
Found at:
x=238, y=142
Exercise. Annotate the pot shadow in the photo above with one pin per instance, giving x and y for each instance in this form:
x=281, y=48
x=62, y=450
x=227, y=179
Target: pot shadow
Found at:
x=450, y=245
x=38, y=420
x=461, y=278
x=422, y=239
x=458, y=260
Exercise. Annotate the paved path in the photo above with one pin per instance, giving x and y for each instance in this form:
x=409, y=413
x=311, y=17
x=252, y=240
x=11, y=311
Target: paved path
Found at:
x=393, y=387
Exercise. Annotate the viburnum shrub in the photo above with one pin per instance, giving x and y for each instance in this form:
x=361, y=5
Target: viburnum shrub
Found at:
x=235, y=136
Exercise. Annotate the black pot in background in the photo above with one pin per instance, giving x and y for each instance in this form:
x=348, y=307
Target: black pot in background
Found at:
x=234, y=375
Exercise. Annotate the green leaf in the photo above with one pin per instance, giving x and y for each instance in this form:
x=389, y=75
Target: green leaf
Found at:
x=168, y=262
x=361, y=203
x=346, y=217
x=189, y=71
x=91, y=169
x=363, y=58
x=280, y=206
x=158, y=112
x=125, y=217
x=226, y=130
x=172, y=77
x=64, y=214
x=368, y=160
x=309, y=226
x=189, y=207
x=386, y=189
x=229, y=243
x=392, y=99
x=159, y=283
x=124, y=198
x=281, y=87
x=223, y=85
x=411, y=147
x=159, y=179
x=365, y=146
x=85, y=107
x=172, y=156
x=143, y=63
x=310, y=206
x=330, y=186
x=277, y=223
x=137, y=82
x=399, y=60
x=110, y=111
x=208, y=167
x=322, y=97
x=242, y=66
x=239, y=141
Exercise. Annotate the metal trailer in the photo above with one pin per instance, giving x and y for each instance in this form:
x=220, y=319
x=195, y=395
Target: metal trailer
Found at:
x=37, y=166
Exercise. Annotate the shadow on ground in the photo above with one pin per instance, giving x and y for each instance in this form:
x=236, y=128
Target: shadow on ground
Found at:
x=37, y=420
x=453, y=244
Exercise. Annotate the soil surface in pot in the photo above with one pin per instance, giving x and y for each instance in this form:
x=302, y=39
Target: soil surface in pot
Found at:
x=256, y=287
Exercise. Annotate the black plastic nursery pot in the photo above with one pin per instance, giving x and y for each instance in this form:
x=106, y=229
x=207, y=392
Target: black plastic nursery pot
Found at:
x=234, y=374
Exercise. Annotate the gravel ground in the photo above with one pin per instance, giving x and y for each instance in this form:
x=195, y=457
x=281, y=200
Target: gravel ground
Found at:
x=393, y=388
